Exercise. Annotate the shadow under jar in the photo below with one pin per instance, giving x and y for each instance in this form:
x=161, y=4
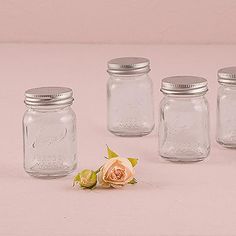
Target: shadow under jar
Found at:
x=226, y=103
x=184, y=119
x=130, y=97
x=49, y=132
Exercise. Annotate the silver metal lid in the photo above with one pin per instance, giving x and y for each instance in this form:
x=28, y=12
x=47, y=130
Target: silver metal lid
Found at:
x=48, y=96
x=227, y=75
x=184, y=85
x=128, y=66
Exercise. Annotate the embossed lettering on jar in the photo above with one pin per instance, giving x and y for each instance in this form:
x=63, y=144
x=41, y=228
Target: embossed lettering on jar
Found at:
x=226, y=103
x=49, y=130
x=184, y=119
x=130, y=97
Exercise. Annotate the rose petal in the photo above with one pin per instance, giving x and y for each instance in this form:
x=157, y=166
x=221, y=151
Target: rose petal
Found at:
x=101, y=181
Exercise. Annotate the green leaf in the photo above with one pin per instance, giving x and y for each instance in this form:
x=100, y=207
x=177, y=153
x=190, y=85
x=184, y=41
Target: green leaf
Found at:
x=134, y=161
x=133, y=181
x=111, y=154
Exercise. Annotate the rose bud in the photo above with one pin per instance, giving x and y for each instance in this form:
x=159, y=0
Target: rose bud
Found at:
x=86, y=179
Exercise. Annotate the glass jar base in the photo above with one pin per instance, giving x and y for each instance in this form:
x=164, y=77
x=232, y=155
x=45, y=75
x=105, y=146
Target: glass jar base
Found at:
x=184, y=159
x=227, y=145
x=134, y=133
x=125, y=134
x=50, y=174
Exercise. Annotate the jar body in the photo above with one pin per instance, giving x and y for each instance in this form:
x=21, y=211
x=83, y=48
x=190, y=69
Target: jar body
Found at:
x=50, y=144
x=130, y=105
x=226, y=116
x=184, y=128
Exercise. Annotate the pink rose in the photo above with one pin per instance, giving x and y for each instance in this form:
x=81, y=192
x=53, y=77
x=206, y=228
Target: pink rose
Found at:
x=116, y=173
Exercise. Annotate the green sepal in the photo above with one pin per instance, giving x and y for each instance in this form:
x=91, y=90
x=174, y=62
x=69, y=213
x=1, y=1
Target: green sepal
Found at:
x=133, y=161
x=91, y=187
x=76, y=179
x=111, y=154
x=133, y=181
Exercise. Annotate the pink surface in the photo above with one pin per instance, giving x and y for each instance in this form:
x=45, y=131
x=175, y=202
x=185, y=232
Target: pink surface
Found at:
x=112, y=21
x=170, y=199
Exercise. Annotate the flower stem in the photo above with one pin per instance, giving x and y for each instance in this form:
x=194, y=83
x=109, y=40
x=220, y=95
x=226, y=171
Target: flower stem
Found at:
x=98, y=170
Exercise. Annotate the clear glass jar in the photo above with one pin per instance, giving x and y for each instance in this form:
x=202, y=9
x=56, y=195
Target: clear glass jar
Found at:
x=226, y=102
x=130, y=97
x=49, y=132
x=184, y=119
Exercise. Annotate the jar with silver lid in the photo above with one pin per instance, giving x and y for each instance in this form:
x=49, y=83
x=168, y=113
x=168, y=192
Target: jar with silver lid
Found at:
x=130, y=97
x=226, y=103
x=184, y=119
x=49, y=132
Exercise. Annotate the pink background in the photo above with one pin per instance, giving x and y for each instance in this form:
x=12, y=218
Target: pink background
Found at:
x=170, y=199
x=112, y=21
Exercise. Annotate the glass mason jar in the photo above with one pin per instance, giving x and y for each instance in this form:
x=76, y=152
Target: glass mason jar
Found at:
x=226, y=102
x=184, y=119
x=49, y=132
x=130, y=97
